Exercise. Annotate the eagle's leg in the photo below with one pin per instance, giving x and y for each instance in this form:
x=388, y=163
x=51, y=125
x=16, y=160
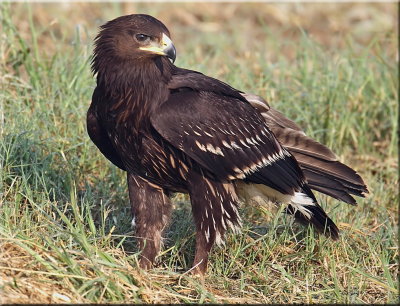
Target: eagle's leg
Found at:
x=214, y=207
x=151, y=210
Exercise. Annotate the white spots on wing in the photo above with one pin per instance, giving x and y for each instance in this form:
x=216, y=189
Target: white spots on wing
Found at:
x=226, y=145
x=248, y=169
x=265, y=161
x=198, y=131
x=286, y=152
x=183, y=175
x=184, y=166
x=172, y=160
x=243, y=143
x=156, y=170
x=226, y=132
x=201, y=147
x=154, y=185
x=251, y=141
x=183, y=169
x=264, y=132
x=215, y=150
x=234, y=145
x=237, y=170
x=241, y=176
x=246, y=129
x=210, y=148
x=259, y=139
x=162, y=152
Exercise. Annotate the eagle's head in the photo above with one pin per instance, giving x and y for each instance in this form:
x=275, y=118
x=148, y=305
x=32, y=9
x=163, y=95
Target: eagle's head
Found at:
x=135, y=37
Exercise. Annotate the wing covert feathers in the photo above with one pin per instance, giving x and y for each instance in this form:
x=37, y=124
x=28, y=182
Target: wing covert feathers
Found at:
x=228, y=138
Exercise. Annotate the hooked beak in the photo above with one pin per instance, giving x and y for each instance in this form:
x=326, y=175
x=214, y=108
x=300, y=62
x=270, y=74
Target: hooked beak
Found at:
x=165, y=48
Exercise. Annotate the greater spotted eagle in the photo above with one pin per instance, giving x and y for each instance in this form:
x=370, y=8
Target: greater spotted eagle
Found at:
x=178, y=130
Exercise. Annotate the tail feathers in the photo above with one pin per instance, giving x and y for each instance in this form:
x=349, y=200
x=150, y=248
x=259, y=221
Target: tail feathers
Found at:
x=334, y=168
x=316, y=216
x=320, y=165
x=332, y=178
x=325, y=178
x=322, y=170
x=336, y=193
x=306, y=210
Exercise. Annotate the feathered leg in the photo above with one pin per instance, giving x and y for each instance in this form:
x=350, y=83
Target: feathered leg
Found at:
x=214, y=207
x=151, y=211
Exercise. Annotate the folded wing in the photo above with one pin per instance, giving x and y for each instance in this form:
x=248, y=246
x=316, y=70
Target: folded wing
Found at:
x=227, y=137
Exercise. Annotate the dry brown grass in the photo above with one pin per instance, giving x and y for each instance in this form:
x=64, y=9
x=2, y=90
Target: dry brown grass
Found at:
x=327, y=23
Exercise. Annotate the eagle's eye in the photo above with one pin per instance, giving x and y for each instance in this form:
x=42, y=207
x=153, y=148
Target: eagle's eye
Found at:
x=142, y=38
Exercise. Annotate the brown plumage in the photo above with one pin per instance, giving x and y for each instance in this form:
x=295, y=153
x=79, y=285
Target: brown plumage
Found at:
x=173, y=129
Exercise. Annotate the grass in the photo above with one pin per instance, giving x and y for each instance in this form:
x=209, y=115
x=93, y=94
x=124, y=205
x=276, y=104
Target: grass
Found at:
x=64, y=215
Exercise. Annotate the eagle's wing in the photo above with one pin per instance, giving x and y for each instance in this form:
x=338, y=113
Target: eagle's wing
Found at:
x=213, y=124
x=217, y=127
x=320, y=165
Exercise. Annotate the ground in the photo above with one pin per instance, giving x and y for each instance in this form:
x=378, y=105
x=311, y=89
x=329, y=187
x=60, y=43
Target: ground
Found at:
x=65, y=231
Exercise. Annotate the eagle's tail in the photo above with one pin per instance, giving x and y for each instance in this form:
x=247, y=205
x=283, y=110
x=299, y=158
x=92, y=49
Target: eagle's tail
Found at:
x=306, y=210
x=331, y=177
